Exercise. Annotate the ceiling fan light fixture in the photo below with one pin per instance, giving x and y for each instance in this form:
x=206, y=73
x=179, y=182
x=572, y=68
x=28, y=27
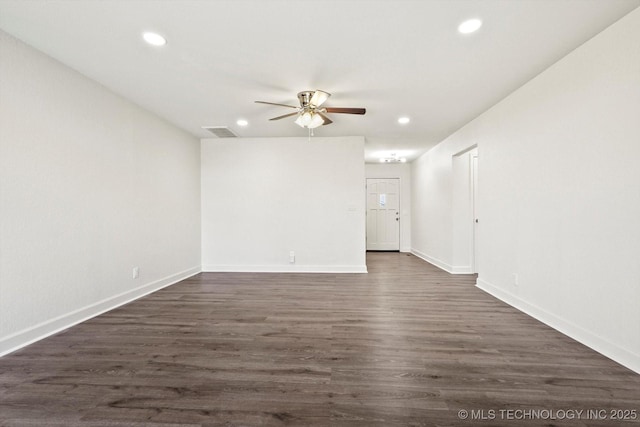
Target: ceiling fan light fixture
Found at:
x=309, y=120
x=303, y=119
x=316, y=120
x=306, y=118
x=319, y=97
x=393, y=158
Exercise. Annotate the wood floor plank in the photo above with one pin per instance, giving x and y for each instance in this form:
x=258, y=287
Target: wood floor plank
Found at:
x=404, y=345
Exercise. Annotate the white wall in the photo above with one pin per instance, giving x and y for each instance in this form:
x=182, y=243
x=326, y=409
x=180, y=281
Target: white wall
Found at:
x=265, y=197
x=401, y=171
x=431, y=201
x=90, y=186
x=559, y=194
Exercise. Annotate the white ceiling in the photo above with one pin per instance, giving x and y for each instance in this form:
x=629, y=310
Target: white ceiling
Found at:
x=394, y=57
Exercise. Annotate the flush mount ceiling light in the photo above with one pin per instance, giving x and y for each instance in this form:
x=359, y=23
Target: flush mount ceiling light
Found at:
x=242, y=122
x=154, y=39
x=393, y=158
x=404, y=120
x=470, y=26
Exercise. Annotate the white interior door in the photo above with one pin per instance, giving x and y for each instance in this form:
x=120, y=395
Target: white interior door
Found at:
x=383, y=214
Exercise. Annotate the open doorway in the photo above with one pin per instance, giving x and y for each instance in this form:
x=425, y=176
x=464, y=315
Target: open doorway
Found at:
x=474, y=208
x=464, y=210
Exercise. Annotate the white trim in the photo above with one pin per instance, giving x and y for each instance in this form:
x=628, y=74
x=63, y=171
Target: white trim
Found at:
x=462, y=269
x=35, y=333
x=285, y=268
x=583, y=336
x=465, y=150
x=434, y=261
x=451, y=269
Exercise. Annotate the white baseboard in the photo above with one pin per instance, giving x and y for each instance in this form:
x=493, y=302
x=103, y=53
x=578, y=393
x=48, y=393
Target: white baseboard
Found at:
x=434, y=261
x=462, y=269
x=583, y=336
x=30, y=335
x=285, y=268
x=451, y=269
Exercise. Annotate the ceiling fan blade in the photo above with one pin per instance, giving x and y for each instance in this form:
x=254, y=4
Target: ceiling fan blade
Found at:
x=274, y=103
x=345, y=110
x=318, y=98
x=285, y=115
x=327, y=120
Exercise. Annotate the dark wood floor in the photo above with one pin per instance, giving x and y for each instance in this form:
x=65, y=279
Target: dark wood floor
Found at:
x=405, y=345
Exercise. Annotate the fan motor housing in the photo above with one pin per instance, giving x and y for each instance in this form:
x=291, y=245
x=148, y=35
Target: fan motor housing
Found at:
x=305, y=98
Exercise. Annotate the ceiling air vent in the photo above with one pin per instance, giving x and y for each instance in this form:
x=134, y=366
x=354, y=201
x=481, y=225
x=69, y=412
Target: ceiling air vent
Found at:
x=220, y=131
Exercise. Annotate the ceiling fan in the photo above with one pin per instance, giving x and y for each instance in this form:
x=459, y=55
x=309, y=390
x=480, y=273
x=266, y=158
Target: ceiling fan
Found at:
x=310, y=113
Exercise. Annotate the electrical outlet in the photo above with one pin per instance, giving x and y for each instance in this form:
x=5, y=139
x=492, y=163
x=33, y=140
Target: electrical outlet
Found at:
x=515, y=279
x=136, y=272
x=292, y=257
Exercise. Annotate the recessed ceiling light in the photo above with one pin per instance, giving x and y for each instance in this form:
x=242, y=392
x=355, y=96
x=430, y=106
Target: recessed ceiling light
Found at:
x=242, y=122
x=154, y=39
x=470, y=26
x=404, y=120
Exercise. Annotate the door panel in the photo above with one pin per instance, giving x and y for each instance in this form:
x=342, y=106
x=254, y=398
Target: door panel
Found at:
x=383, y=214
